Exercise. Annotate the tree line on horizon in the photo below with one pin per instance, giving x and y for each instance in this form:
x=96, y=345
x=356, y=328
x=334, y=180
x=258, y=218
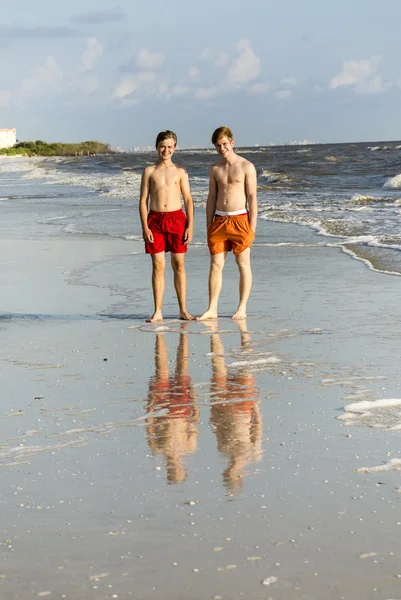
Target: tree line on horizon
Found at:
x=40, y=148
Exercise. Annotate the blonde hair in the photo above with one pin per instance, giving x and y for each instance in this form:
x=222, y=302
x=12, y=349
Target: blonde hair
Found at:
x=222, y=132
x=166, y=135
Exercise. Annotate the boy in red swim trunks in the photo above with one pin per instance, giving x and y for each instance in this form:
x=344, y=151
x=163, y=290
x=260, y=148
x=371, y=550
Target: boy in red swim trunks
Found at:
x=231, y=213
x=165, y=227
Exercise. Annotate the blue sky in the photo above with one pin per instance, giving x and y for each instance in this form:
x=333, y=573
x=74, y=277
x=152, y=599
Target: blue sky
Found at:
x=273, y=70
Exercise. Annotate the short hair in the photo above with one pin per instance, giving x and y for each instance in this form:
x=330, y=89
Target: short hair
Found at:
x=166, y=135
x=222, y=132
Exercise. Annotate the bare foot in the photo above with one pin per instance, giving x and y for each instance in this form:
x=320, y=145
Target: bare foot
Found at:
x=240, y=314
x=185, y=316
x=209, y=314
x=157, y=316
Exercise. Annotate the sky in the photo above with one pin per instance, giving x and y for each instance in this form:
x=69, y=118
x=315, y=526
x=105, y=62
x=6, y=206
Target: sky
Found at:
x=275, y=71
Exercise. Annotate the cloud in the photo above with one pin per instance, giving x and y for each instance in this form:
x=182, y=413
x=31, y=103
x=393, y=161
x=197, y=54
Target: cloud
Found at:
x=281, y=94
x=90, y=85
x=361, y=75
x=218, y=59
x=144, y=84
x=98, y=17
x=288, y=81
x=193, y=72
x=93, y=51
x=205, y=93
x=246, y=66
x=162, y=89
x=149, y=60
x=44, y=79
x=259, y=88
x=238, y=71
x=5, y=98
x=127, y=85
x=38, y=32
x=146, y=76
x=179, y=90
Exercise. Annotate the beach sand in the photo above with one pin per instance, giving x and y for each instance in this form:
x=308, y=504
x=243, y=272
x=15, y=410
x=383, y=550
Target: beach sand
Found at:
x=196, y=460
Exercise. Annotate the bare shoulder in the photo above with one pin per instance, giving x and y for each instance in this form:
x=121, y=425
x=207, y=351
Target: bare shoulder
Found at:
x=182, y=172
x=148, y=171
x=246, y=164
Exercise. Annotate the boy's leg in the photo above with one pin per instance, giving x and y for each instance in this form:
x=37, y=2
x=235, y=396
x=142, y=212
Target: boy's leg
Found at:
x=180, y=284
x=245, y=281
x=158, y=265
x=215, y=282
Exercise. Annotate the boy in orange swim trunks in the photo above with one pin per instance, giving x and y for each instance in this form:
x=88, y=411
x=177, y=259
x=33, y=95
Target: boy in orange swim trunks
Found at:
x=231, y=213
x=166, y=228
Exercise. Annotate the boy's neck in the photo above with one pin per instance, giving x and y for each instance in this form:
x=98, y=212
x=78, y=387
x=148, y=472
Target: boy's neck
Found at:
x=165, y=163
x=230, y=159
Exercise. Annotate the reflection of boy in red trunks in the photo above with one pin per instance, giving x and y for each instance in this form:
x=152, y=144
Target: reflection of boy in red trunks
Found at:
x=165, y=226
x=173, y=434
x=235, y=415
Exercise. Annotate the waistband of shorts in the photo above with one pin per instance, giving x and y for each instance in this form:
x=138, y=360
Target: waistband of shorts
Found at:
x=232, y=213
x=166, y=212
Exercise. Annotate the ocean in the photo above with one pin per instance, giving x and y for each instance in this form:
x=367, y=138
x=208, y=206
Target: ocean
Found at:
x=342, y=195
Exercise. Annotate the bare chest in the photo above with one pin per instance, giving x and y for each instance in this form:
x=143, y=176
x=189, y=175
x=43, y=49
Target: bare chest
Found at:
x=232, y=176
x=166, y=181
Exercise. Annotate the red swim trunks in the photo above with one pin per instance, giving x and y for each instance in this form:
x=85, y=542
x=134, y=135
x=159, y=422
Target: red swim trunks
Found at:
x=168, y=230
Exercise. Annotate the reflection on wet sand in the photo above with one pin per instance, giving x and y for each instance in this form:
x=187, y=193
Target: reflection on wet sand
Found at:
x=235, y=414
x=174, y=434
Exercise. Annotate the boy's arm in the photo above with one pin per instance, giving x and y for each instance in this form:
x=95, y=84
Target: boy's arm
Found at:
x=212, y=198
x=189, y=207
x=143, y=206
x=251, y=187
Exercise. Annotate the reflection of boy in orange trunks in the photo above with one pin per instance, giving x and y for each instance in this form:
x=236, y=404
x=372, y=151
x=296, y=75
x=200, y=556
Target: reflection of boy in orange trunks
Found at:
x=235, y=416
x=173, y=434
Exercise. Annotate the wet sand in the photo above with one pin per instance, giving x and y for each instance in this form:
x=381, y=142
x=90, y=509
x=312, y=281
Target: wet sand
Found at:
x=196, y=460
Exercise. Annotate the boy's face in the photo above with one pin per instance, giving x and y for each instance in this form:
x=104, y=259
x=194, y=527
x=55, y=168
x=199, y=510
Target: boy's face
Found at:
x=224, y=146
x=165, y=149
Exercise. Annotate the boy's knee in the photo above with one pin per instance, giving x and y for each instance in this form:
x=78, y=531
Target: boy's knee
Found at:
x=158, y=267
x=178, y=266
x=217, y=265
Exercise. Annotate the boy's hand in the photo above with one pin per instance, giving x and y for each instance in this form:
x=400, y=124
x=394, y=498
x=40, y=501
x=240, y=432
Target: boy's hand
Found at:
x=188, y=235
x=148, y=235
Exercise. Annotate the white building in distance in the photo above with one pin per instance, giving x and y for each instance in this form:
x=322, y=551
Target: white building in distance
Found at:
x=8, y=138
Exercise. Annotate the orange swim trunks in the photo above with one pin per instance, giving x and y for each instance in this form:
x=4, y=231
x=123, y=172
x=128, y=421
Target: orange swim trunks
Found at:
x=230, y=233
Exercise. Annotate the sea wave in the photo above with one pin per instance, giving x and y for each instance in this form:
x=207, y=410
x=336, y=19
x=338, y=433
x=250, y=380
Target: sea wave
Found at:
x=125, y=184
x=19, y=165
x=362, y=199
x=393, y=182
x=271, y=177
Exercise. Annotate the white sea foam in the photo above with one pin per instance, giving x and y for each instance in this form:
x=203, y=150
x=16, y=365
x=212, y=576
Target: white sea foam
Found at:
x=362, y=199
x=252, y=363
x=379, y=414
x=393, y=465
x=121, y=185
x=393, y=182
x=19, y=165
x=271, y=177
x=363, y=406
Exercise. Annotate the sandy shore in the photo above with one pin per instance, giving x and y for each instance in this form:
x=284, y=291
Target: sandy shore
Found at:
x=192, y=461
